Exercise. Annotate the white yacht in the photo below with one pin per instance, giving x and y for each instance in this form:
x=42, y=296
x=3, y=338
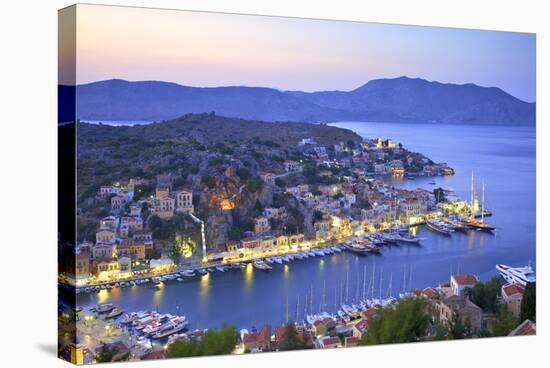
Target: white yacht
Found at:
x=520, y=275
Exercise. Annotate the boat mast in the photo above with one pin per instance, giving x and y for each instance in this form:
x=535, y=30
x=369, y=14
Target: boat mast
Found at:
x=286, y=310
x=482, y=202
x=372, y=281
x=364, y=282
x=297, y=308
x=380, y=289
x=390, y=288
x=410, y=278
x=472, y=196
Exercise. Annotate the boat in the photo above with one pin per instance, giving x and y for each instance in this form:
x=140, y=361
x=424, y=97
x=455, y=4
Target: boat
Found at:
x=174, y=325
x=278, y=260
x=261, y=265
x=269, y=260
x=299, y=256
x=156, y=280
x=411, y=239
x=477, y=224
x=104, y=308
x=337, y=249
x=211, y=269
x=202, y=271
x=520, y=275
x=439, y=226
x=357, y=249
x=319, y=252
x=188, y=273
x=114, y=313
x=221, y=268
x=179, y=279
x=432, y=182
x=311, y=254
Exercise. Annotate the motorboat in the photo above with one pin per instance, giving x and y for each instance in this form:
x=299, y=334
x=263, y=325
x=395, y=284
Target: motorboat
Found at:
x=520, y=275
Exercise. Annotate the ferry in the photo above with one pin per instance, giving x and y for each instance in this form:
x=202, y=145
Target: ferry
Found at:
x=521, y=275
x=439, y=226
x=261, y=265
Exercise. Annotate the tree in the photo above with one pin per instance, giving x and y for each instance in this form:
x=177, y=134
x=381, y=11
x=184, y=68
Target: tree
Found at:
x=529, y=303
x=406, y=323
x=177, y=249
x=293, y=340
x=317, y=216
x=485, y=295
x=214, y=342
x=503, y=323
x=456, y=329
x=254, y=184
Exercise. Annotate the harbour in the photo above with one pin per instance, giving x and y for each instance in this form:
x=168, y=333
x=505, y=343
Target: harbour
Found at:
x=503, y=160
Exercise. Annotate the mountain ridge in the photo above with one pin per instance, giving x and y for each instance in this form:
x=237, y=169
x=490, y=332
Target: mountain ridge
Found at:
x=401, y=99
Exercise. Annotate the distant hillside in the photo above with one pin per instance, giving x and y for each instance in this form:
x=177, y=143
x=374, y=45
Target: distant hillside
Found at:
x=400, y=100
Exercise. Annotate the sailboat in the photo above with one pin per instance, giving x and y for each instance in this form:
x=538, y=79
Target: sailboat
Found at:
x=472, y=221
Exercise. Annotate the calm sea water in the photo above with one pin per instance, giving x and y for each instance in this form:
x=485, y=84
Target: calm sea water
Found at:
x=503, y=157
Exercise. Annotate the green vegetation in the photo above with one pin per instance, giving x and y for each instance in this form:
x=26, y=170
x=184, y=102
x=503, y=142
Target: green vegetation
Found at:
x=293, y=340
x=503, y=322
x=529, y=303
x=214, y=342
x=406, y=323
x=254, y=184
x=485, y=294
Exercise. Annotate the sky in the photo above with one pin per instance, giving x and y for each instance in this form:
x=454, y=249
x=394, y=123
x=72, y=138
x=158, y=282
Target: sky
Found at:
x=212, y=49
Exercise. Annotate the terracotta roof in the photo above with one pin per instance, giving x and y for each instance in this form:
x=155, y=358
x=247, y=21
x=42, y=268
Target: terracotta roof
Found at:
x=362, y=325
x=430, y=292
x=264, y=335
x=334, y=340
x=369, y=313
x=352, y=341
x=524, y=329
x=159, y=354
x=513, y=289
x=281, y=332
x=250, y=338
x=465, y=279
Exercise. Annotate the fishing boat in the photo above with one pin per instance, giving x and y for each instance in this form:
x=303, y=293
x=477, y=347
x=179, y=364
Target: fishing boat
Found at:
x=114, y=313
x=521, y=275
x=439, y=226
x=261, y=265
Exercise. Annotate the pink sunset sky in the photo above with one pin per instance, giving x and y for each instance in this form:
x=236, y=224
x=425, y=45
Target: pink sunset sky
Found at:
x=212, y=49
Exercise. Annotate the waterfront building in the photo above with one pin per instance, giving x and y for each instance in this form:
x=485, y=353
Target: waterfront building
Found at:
x=107, y=269
x=250, y=242
x=329, y=342
x=133, y=223
x=512, y=294
x=161, y=265
x=460, y=282
x=282, y=240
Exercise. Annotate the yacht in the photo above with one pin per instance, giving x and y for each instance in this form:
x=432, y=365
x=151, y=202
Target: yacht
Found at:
x=171, y=327
x=520, y=275
x=114, y=313
x=104, y=308
x=439, y=226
